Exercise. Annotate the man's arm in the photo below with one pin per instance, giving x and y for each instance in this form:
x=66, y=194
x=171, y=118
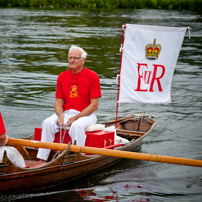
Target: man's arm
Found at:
x=59, y=111
x=86, y=112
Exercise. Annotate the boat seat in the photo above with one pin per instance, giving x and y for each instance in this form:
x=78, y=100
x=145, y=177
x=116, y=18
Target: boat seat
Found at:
x=33, y=164
x=93, y=127
x=94, y=136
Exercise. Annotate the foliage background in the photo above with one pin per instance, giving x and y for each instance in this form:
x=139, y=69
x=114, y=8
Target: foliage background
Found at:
x=195, y=5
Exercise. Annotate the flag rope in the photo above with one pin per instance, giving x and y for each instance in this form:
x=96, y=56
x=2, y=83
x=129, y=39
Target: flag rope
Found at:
x=121, y=50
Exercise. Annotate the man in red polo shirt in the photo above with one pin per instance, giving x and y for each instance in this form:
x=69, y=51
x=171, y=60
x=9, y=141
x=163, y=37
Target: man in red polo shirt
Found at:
x=77, y=98
x=13, y=154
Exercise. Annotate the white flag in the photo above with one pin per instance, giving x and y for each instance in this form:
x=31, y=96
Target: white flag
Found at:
x=149, y=58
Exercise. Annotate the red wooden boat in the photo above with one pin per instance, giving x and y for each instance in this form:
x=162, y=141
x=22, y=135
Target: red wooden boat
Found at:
x=65, y=166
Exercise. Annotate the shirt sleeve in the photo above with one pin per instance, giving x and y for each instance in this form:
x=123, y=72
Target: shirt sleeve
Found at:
x=95, y=90
x=59, y=89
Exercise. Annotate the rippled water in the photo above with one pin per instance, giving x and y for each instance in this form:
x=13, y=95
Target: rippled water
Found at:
x=34, y=46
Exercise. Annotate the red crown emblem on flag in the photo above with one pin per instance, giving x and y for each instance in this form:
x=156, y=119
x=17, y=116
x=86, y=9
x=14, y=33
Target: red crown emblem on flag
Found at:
x=153, y=50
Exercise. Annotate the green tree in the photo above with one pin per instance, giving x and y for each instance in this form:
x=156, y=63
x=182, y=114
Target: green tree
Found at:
x=163, y=4
x=23, y=3
x=30, y=3
x=151, y=4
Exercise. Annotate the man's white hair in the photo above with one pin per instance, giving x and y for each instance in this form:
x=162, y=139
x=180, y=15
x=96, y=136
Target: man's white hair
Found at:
x=83, y=53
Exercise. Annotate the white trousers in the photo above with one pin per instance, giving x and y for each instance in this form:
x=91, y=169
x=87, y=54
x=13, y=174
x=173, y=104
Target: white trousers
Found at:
x=76, y=131
x=13, y=154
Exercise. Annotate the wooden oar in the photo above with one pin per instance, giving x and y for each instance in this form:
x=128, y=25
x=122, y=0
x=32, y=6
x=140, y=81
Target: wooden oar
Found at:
x=107, y=152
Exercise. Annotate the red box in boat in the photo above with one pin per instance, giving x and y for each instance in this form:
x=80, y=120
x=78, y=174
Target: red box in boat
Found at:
x=94, y=139
x=99, y=138
x=37, y=134
x=67, y=138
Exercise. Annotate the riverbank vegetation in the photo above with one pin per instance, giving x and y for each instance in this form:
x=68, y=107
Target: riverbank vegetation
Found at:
x=109, y=4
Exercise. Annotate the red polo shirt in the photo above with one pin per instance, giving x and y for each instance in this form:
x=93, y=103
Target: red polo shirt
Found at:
x=76, y=90
x=2, y=127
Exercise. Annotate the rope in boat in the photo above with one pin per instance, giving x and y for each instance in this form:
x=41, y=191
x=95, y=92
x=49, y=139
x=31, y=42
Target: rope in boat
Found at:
x=61, y=139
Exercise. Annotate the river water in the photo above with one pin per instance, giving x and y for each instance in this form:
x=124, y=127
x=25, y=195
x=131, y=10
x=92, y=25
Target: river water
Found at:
x=34, y=46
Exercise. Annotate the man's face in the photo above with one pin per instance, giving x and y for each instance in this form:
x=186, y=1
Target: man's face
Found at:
x=75, y=61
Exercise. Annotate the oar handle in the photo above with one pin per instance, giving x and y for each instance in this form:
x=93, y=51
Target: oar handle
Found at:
x=107, y=152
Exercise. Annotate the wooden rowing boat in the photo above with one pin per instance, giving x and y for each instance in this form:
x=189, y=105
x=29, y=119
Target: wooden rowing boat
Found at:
x=132, y=128
x=65, y=166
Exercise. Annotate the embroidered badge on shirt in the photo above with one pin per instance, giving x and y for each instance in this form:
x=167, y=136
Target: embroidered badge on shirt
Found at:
x=74, y=92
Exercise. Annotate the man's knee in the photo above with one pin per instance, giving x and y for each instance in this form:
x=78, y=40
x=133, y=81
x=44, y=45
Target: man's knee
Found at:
x=76, y=125
x=47, y=122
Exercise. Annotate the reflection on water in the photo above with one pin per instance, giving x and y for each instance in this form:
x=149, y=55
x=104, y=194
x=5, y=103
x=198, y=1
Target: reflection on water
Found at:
x=111, y=193
x=34, y=45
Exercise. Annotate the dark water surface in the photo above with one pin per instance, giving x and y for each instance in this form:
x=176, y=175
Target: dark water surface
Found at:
x=33, y=51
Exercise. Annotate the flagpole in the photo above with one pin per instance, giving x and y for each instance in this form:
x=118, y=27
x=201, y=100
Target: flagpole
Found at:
x=117, y=104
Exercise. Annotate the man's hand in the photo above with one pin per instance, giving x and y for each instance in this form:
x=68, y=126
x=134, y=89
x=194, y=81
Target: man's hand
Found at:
x=71, y=120
x=60, y=121
x=59, y=111
x=86, y=112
